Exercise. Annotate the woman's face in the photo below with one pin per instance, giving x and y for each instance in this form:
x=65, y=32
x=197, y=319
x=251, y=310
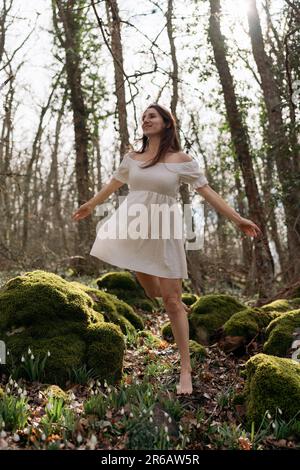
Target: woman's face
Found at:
x=152, y=122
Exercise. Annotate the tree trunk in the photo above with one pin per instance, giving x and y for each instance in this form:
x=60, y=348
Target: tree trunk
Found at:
x=278, y=142
x=264, y=267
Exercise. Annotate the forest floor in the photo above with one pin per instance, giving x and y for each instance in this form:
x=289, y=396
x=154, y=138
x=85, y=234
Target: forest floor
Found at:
x=147, y=414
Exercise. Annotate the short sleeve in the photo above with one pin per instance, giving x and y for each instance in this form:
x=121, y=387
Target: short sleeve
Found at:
x=122, y=171
x=192, y=174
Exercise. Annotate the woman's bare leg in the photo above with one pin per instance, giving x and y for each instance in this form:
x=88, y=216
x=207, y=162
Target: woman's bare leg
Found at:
x=171, y=291
x=151, y=285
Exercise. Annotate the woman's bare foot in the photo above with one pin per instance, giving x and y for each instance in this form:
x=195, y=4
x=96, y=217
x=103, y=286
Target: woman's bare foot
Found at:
x=185, y=386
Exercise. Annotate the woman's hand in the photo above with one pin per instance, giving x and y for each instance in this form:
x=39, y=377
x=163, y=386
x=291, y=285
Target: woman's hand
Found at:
x=83, y=211
x=248, y=227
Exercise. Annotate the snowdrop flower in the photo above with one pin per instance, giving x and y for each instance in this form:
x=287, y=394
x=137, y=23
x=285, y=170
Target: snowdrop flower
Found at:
x=92, y=392
x=109, y=389
x=166, y=414
x=40, y=396
x=11, y=381
x=269, y=416
x=7, y=353
x=79, y=438
x=166, y=429
x=23, y=359
x=273, y=425
x=8, y=390
x=279, y=411
x=43, y=437
x=122, y=411
x=32, y=356
x=151, y=419
x=180, y=427
x=170, y=419
x=19, y=391
x=187, y=439
x=151, y=413
x=29, y=351
x=48, y=354
x=130, y=415
x=168, y=439
x=98, y=385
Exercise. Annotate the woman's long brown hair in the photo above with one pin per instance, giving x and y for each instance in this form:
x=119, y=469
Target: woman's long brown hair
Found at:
x=169, y=141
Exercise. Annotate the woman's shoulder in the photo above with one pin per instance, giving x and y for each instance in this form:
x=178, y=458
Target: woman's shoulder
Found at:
x=179, y=157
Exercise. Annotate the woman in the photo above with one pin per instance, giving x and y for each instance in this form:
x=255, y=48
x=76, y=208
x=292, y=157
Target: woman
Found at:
x=160, y=264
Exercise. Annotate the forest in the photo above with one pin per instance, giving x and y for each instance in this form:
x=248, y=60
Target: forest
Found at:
x=88, y=359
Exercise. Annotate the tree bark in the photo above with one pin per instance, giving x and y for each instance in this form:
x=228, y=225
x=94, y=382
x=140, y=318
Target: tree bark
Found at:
x=264, y=266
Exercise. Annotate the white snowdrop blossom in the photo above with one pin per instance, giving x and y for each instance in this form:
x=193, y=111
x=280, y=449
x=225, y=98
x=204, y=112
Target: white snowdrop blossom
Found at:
x=79, y=438
x=23, y=359
x=49, y=353
x=170, y=419
x=166, y=429
x=29, y=351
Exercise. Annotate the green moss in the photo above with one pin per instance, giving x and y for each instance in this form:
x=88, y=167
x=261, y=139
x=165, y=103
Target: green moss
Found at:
x=153, y=340
x=249, y=322
x=124, y=286
x=42, y=311
x=166, y=331
x=282, y=305
x=118, y=280
x=197, y=350
x=113, y=309
x=105, y=352
x=189, y=299
x=209, y=313
x=271, y=383
x=279, y=333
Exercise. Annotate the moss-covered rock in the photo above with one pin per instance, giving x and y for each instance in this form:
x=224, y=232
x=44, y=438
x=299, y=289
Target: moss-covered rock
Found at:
x=279, y=333
x=197, y=350
x=249, y=322
x=282, y=305
x=209, y=313
x=42, y=311
x=189, y=299
x=123, y=285
x=113, y=309
x=272, y=383
x=166, y=331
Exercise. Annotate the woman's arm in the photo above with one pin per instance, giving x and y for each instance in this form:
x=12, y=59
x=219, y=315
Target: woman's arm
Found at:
x=85, y=209
x=246, y=225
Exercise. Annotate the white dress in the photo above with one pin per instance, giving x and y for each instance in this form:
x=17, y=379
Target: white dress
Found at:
x=120, y=244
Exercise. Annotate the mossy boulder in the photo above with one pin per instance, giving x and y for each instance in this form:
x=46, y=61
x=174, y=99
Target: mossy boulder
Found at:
x=271, y=383
x=243, y=326
x=279, y=333
x=197, y=350
x=113, y=309
x=282, y=305
x=42, y=311
x=123, y=285
x=248, y=322
x=209, y=313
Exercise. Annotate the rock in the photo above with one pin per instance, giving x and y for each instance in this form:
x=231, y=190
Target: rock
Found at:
x=59, y=317
x=271, y=383
x=279, y=333
x=126, y=287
